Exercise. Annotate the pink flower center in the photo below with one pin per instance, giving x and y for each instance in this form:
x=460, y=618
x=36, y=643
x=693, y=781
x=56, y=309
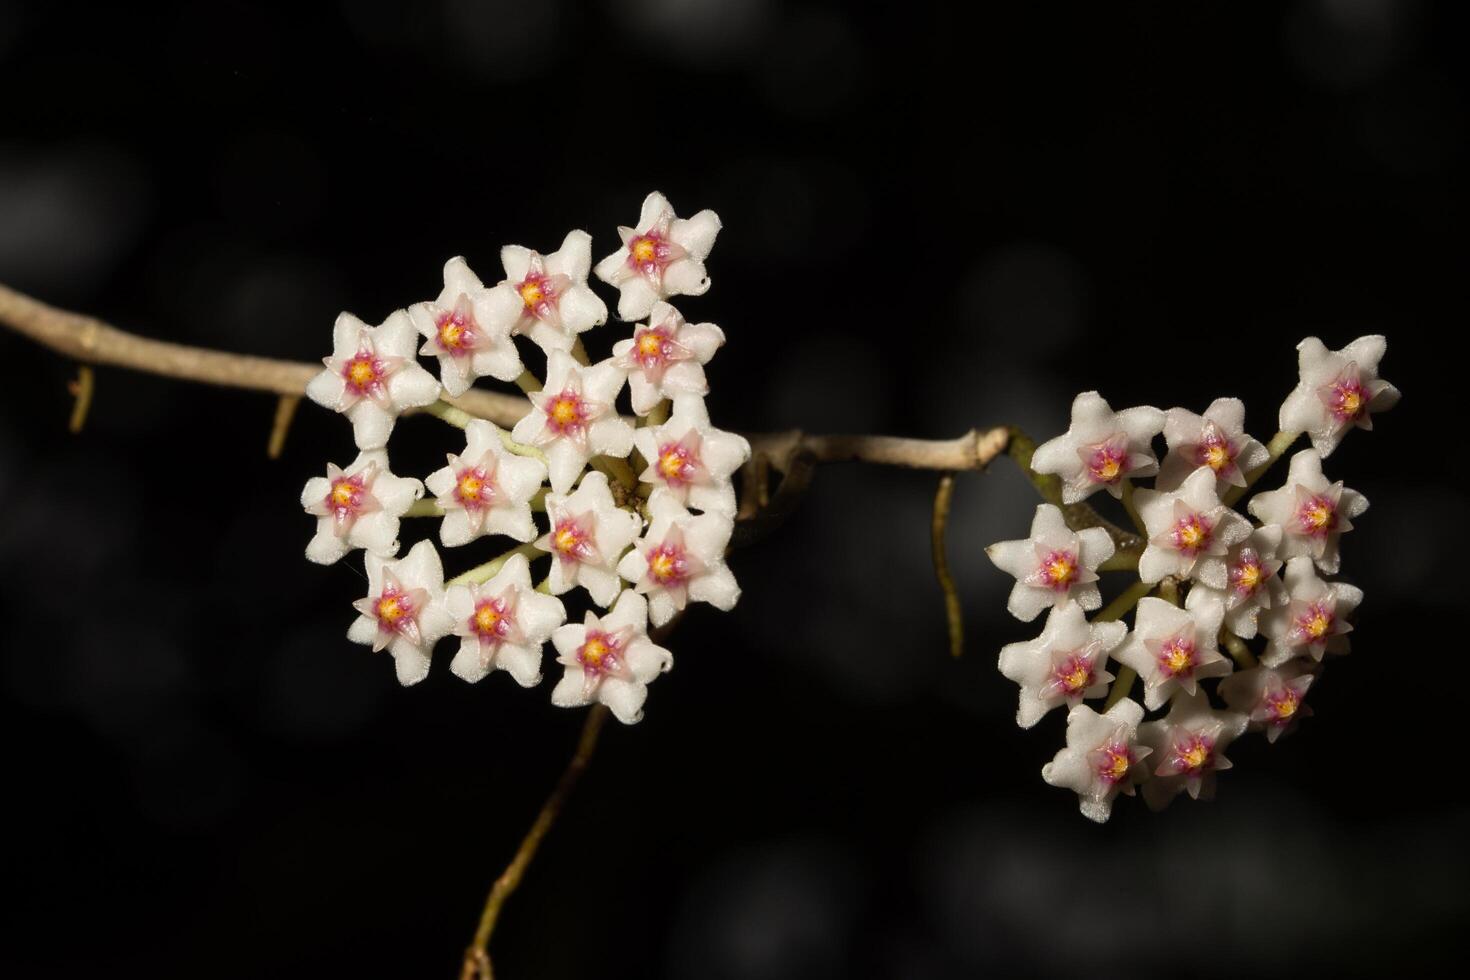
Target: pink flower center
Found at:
x=572, y=542
x=1316, y=516
x=653, y=347
x=1191, y=534
x=678, y=464
x=473, y=488
x=1191, y=755
x=395, y=611
x=1215, y=451
x=1113, y=761
x=1248, y=574
x=566, y=413
x=364, y=372
x=650, y=253
x=668, y=564
x=1314, y=623
x=457, y=333
x=1057, y=570
x=539, y=294
x=346, y=497
x=1177, y=657
x=1280, y=707
x=600, y=653
x=1107, y=463
x=1346, y=398
x=492, y=621
x=1073, y=675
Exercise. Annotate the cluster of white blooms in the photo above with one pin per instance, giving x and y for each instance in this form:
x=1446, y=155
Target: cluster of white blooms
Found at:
x=642, y=545
x=1210, y=579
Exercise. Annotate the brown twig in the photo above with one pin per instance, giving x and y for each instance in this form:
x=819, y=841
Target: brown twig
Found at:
x=91, y=341
x=477, y=957
x=952, y=608
x=285, y=412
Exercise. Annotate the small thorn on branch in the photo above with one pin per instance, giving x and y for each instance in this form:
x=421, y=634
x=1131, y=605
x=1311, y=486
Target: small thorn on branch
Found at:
x=953, y=611
x=81, y=390
x=285, y=413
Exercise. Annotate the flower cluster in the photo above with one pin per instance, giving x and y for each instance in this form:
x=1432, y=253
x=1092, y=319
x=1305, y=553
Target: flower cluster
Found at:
x=1210, y=579
x=636, y=512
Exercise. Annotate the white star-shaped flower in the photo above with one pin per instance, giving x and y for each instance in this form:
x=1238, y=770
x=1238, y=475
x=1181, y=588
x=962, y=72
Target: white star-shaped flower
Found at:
x=1101, y=448
x=1063, y=665
x=664, y=256
x=681, y=559
x=589, y=533
x=487, y=490
x=1054, y=566
x=1252, y=582
x=692, y=459
x=1189, y=531
x=610, y=659
x=1188, y=748
x=546, y=297
x=1271, y=699
x=462, y=329
x=1216, y=440
x=1337, y=391
x=1311, y=512
x=1313, y=619
x=358, y=507
x=404, y=610
x=372, y=376
x=665, y=357
x=1173, y=649
x=502, y=624
x=1102, y=757
x=573, y=417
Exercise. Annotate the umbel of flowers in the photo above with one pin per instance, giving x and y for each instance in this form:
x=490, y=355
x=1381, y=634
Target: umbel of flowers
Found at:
x=1232, y=612
x=628, y=514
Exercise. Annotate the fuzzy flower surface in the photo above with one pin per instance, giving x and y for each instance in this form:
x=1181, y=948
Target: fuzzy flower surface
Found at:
x=1216, y=440
x=502, y=624
x=665, y=357
x=1311, y=512
x=1101, y=448
x=1253, y=582
x=691, y=459
x=1272, y=699
x=610, y=659
x=1063, y=665
x=1338, y=391
x=357, y=507
x=1054, y=566
x=486, y=490
x=663, y=256
x=546, y=297
x=1173, y=649
x=372, y=376
x=462, y=329
x=404, y=610
x=1190, y=531
x=1188, y=749
x=589, y=533
x=573, y=417
x=681, y=559
x=1313, y=620
x=1102, y=757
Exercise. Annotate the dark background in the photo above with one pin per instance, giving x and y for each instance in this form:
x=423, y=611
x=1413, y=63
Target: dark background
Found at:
x=932, y=221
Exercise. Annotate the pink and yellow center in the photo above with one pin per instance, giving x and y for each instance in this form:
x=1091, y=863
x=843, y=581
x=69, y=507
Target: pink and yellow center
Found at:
x=568, y=540
x=1114, y=764
x=392, y=609
x=598, y=653
x=666, y=564
x=532, y=293
x=471, y=489
x=455, y=334
x=675, y=463
x=1073, y=675
x=643, y=249
x=1106, y=464
x=1317, y=516
x=1192, y=534
x=650, y=346
x=1193, y=754
x=344, y=493
x=1246, y=576
x=1283, y=706
x=1059, y=570
x=1315, y=623
x=565, y=411
x=1347, y=400
x=361, y=372
x=1176, y=657
x=1216, y=454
